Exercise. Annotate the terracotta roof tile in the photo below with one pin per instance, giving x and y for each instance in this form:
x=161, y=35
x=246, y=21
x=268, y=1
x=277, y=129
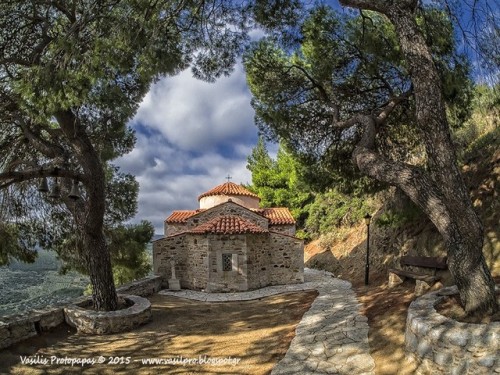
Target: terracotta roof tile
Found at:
x=228, y=225
x=229, y=188
x=181, y=216
x=277, y=215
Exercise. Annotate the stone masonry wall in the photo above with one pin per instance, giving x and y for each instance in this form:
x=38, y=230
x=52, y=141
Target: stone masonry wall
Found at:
x=288, y=229
x=174, y=228
x=259, y=255
x=196, y=262
x=275, y=259
x=166, y=249
x=440, y=345
x=227, y=281
x=89, y=321
x=287, y=260
x=20, y=327
x=190, y=254
x=143, y=287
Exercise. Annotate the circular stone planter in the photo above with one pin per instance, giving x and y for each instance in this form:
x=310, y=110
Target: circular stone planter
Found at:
x=441, y=345
x=88, y=321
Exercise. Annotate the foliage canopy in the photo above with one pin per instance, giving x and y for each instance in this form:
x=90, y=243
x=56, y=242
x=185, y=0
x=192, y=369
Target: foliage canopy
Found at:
x=344, y=66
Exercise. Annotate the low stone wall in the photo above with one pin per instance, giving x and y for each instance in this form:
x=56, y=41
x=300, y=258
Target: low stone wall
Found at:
x=143, y=287
x=19, y=327
x=441, y=345
x=105, y=322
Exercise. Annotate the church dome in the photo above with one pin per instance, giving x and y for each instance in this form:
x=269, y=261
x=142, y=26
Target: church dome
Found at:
x=229, y=191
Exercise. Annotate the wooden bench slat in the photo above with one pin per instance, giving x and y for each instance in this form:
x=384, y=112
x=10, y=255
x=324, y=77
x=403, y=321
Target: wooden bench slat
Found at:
x=413, y=275
x=420, y=261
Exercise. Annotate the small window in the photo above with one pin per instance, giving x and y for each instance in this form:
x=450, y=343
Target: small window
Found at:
x=227, y=262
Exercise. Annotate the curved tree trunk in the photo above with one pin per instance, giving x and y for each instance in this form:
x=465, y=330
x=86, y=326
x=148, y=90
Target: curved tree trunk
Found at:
x=440, y=190
x=464, y=233
x=91, y=222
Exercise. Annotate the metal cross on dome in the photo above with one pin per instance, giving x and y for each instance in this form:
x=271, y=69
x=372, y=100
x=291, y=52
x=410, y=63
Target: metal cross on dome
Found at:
x=228, y=178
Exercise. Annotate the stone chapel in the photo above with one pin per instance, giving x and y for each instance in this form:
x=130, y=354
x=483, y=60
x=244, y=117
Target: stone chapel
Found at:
x=230, y=244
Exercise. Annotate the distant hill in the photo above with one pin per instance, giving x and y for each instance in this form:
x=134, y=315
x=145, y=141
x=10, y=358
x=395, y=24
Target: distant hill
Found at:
x=45, y=261
x=24, y=286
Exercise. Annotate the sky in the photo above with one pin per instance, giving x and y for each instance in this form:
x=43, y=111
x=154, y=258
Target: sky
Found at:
x=190, y=136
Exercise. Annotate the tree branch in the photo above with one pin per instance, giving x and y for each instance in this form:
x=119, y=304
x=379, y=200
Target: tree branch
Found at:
x=391, y=104
x=59, y=5
x=382, y=116
x=381, y=6
x=412, y=180
x=46, y=148
x=375, y=5
x=11, y=177
x=321, y=90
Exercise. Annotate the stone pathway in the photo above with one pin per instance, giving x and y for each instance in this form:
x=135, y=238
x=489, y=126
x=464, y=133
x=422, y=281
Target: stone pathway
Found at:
x=331, y=338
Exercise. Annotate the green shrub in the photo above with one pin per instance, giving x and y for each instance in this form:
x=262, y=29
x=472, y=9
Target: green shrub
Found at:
x=333, y=209
x=396, y=219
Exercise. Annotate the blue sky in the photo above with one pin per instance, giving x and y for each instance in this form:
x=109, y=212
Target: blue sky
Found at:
x=190, y=136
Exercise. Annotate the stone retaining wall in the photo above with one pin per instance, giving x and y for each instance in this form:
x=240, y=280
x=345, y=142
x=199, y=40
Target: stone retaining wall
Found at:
x=19, y=327
x=143, y=287
x=441, y=345
x=105, y=322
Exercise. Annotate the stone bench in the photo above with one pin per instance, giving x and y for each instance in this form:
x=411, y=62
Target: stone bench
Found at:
x=423, y=281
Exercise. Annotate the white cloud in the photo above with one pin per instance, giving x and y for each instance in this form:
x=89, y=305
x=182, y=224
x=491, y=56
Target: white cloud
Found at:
x=160, y=194
x=190, y=136
x=196, y=115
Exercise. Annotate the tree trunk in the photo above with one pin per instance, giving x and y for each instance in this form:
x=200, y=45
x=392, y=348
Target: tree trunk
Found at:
x=439, y=190
x=469, y=270
x=464, y=233
x=98, y=258
x=98, y=263
x=91, y=224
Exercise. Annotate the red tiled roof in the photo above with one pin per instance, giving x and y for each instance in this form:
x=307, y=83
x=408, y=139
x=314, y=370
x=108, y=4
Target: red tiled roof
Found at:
x=181, y=216
x=277, y=215
x=229, y=188
x=228, y=225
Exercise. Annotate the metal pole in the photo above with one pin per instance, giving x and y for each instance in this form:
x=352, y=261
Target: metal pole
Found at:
x=367, y=267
